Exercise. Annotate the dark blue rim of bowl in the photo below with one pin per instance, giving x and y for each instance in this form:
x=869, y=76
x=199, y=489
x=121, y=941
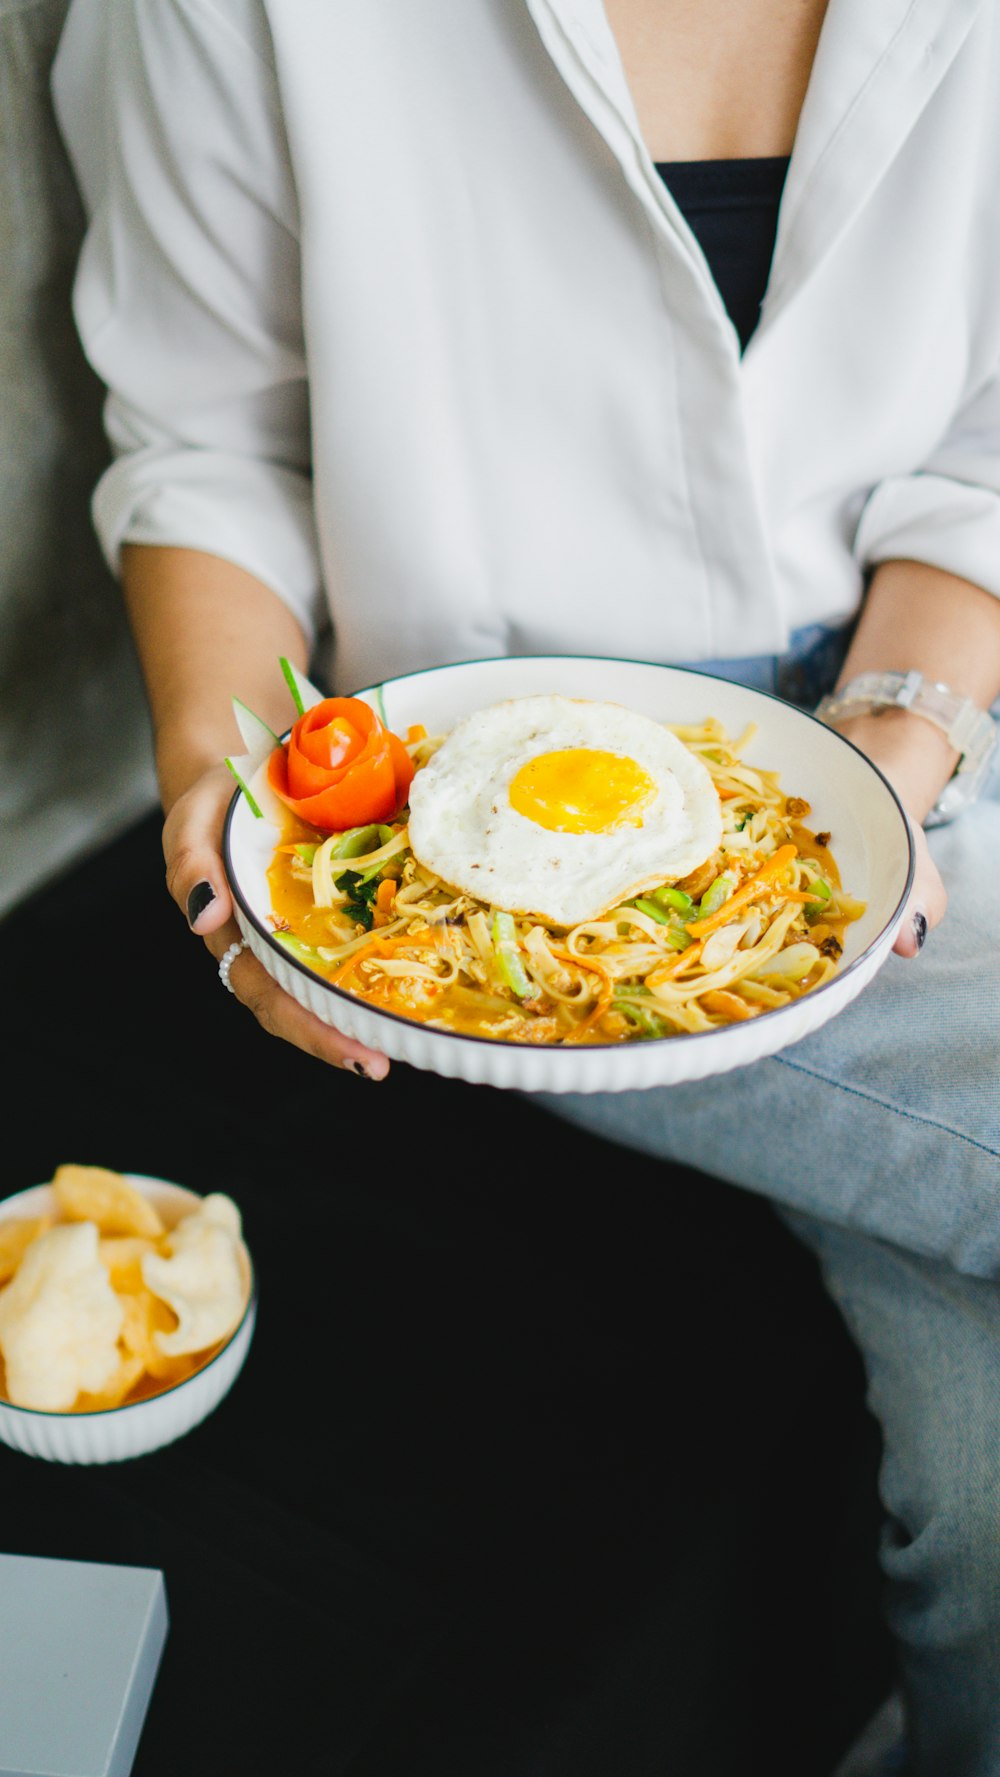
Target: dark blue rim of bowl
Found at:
x=695, y=1036
x=148, y=1400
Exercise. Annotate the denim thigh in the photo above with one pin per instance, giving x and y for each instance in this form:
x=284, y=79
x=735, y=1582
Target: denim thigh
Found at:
x=931, y=1340
x=887, y=1120
x=878, y=1139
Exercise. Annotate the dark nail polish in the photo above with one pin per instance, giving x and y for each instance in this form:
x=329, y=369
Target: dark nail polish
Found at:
x=919, y=929
x=201, y=896
x=357, y=1067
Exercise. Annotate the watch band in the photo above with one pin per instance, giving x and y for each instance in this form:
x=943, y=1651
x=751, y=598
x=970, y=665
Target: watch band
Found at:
x=970, y=730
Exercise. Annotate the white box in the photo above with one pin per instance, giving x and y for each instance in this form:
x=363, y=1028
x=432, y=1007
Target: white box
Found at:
x=80, y=1647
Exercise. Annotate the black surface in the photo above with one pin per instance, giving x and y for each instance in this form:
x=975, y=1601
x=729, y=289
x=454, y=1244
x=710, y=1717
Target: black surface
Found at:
x=546, y=1461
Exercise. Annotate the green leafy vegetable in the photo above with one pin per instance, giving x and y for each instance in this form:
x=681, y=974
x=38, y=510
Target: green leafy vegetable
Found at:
x=716, y=893
x=643, y=1019
x=362, y=894
x=356, y=841
x=304, y=953
x=252, y=803
x=291, y=680
x=509, y=964
x=818, y=909
x=675, y=898
x=645, y=904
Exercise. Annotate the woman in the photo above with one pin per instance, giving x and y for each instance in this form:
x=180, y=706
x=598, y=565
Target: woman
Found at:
x=433, y=333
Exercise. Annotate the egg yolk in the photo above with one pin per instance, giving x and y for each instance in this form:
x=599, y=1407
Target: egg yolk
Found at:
x=582, y=790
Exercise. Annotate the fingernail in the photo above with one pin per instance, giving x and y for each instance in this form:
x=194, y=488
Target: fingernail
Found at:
x=352, y=1066
x=201, y=896
x=919, y=929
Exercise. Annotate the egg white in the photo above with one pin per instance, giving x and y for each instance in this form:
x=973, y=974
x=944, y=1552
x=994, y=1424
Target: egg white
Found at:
x=464, y=828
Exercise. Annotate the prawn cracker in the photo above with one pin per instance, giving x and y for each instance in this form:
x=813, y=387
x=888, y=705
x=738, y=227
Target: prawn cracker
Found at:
x=16, y=1235
x=145, y=1316
x=126, y=1376
x=122, y=1253
x=94, y=1194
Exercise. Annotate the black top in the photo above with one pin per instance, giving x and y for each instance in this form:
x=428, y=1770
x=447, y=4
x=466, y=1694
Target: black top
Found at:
x=732, y=207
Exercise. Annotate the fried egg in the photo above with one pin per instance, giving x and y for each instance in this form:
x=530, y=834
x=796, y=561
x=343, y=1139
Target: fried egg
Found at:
x=561, y=807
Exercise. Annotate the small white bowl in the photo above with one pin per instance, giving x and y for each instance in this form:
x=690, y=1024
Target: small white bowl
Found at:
x=871, y=842
x=135, y=1429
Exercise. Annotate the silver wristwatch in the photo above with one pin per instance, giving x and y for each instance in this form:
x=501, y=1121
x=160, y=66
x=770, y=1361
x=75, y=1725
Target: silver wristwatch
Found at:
x=971, y=731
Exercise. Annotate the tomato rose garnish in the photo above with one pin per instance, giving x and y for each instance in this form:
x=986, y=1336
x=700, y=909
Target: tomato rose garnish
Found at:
x=341, y=767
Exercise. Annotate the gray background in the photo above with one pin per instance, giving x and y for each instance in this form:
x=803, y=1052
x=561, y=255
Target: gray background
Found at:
x=75, y=748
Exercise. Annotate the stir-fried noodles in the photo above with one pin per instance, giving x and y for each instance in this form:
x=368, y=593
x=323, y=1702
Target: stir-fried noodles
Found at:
x=760, y=923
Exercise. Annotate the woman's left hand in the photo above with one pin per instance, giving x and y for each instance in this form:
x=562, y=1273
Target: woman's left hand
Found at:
x=919, y=617
x=927, y=902
x=917, y=761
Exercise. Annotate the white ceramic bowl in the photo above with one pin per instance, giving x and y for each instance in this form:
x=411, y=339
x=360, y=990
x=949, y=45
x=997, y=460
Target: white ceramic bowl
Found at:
x=141, y=1426
x=871, y=841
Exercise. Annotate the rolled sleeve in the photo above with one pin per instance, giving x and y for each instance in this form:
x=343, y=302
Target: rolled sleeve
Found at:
x=948, y=513
x=187, y=294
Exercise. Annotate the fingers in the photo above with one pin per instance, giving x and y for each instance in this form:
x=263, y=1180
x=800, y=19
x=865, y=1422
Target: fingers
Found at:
x=196, y=878
x=927, y=903
x=192, y=833
x=281, y=1016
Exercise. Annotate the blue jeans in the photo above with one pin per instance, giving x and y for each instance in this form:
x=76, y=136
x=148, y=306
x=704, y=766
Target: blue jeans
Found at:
x=878, y=1140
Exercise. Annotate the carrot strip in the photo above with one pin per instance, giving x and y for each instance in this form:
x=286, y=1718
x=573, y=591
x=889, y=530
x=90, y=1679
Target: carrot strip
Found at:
x=604, y=998
x=677, y=964
x=385, y=894
x=383, y=947
x=754, y=886
x=582, y=962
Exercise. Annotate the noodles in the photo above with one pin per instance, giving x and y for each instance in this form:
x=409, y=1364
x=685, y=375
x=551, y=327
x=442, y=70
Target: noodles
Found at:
x=756, y=926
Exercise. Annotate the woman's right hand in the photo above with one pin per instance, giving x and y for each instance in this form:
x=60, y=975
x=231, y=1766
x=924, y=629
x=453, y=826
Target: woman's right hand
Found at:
x=196, y=879
x=207, y=629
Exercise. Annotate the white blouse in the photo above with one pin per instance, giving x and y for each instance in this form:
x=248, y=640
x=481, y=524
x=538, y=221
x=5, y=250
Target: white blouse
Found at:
x=395, y=311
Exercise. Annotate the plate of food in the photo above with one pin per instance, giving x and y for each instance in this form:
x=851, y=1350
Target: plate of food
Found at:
x=127, y=1308
x=565, y=874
